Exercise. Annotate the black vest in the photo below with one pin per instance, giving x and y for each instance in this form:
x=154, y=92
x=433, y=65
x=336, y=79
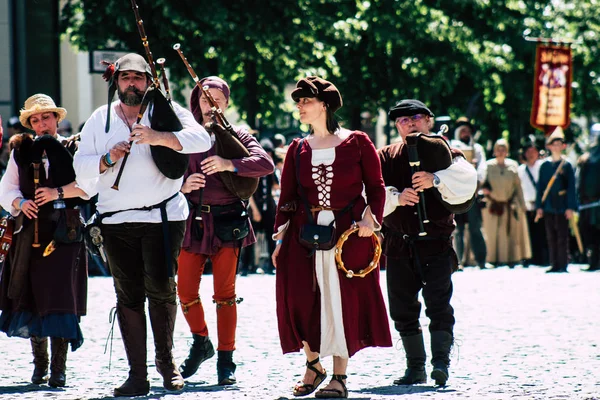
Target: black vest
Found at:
x=396, y=172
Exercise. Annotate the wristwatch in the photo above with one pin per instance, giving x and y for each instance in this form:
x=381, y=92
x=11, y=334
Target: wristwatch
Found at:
x=61, y=193
x=436, y=181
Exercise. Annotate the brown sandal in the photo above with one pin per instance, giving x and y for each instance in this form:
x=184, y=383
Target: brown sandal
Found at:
x=334, y=393
x=304, y=389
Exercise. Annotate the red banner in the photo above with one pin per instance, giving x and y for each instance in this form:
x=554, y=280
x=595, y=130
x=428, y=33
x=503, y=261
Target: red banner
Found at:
x=552, y=88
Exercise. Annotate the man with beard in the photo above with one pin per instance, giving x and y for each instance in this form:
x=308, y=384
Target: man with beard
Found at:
x=415, y=261
x=143, y=222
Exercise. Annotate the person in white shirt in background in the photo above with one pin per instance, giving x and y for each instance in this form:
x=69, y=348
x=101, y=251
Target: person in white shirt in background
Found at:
x=143, y=222
x=529, y=174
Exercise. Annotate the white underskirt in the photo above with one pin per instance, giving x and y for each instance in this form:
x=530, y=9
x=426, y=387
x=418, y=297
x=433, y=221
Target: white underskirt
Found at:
x=333, y=338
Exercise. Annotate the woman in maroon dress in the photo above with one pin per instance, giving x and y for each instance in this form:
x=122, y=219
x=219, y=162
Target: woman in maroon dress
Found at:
x=319, y=309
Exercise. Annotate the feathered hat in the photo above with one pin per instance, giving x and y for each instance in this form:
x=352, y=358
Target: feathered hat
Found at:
x=129, y=62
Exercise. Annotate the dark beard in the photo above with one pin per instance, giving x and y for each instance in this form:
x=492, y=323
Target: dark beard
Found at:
x=131, y=97
x=466, y=140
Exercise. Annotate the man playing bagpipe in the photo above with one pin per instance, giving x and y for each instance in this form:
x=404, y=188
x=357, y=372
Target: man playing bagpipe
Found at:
x=427, y=182
x=141, y=210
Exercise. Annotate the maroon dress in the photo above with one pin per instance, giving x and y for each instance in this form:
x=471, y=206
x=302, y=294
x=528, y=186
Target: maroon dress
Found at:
x=365, y=320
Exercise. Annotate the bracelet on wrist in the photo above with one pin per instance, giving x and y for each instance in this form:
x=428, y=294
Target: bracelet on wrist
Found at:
x=21, y=203
x=105, y=160
x=278, y=242
x=108, y=160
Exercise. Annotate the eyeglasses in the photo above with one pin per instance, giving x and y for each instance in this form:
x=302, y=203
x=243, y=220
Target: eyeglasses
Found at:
x=414, y=118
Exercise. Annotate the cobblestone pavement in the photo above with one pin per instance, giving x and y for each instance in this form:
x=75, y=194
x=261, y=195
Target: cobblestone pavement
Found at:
x=521, y=334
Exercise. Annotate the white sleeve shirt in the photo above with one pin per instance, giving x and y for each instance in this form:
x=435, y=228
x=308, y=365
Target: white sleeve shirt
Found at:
x=457, y=185
x=529, y=190
x=9, y=186
x=142, y=184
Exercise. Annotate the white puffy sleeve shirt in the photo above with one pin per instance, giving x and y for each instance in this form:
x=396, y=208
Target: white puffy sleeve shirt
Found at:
x=142, y=184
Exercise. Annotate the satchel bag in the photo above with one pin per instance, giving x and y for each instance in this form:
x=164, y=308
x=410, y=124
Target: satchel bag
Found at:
x=317, y=237
x=230, y=221
x=69, y=226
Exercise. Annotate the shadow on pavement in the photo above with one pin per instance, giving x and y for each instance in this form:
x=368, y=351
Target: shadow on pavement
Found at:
x=157, y=392
x=29, y=388
x=394, y=390
x=311, y=396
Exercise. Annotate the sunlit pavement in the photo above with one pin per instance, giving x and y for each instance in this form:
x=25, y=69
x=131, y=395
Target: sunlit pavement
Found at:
x=520, y=334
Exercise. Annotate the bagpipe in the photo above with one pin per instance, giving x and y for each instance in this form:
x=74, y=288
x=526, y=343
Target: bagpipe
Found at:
x=227, y=143
x=67, y=224
x=432, y=153
x=169, y=162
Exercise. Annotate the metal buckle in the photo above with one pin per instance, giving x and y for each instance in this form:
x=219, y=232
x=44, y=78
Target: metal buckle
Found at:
x=205, y=208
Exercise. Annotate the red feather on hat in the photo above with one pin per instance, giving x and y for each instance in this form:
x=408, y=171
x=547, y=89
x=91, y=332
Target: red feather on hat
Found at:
x=110, y=70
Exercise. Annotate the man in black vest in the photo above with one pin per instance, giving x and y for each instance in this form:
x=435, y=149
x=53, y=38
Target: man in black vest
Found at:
x=416, y=262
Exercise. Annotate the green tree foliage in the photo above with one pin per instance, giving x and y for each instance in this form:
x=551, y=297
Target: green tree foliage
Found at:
x=461, y=57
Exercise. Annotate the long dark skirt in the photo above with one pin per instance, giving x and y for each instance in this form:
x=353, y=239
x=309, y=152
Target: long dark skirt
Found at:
x=46, y=296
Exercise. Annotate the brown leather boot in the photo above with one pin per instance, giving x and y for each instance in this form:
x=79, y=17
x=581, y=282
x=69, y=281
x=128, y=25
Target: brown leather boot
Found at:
x=162, y=319
x=132, y=322
x=58, y=365
x=39, y=346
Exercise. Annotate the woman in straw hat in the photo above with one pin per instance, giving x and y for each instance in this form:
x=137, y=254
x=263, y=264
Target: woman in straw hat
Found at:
x=43, y=295
x=319, y=309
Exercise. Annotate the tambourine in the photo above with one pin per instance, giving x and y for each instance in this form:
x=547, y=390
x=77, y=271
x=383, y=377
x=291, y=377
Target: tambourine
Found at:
x=338, y=254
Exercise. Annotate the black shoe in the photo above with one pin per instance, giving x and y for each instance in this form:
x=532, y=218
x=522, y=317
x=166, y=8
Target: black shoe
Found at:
x=440, y=373
x=412, y=376
x=201, y=350
x=39, y=376
x=415, y=360
x=57, y=379
x=226, y=368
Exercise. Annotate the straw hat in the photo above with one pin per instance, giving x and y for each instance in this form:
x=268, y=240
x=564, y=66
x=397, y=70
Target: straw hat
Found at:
x=40, y=103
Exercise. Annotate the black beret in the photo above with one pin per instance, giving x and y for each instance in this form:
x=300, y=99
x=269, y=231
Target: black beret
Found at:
x=313, y=86
x=409, y=107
